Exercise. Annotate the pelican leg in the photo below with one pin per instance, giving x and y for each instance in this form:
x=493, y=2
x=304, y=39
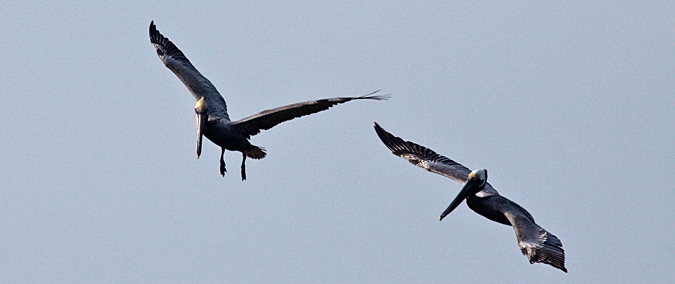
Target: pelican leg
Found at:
x=222, y=162
x=243, y=166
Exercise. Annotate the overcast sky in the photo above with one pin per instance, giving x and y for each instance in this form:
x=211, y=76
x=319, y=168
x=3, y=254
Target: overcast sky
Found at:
x=570, y=107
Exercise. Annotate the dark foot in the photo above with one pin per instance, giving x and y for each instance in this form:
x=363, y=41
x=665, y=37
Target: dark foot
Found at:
x=222, y=168
x=243, y=172
x=243, y=168
x=222, y=163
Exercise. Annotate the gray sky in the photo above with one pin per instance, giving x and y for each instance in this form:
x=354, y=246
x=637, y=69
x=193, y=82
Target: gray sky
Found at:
x=570, y=107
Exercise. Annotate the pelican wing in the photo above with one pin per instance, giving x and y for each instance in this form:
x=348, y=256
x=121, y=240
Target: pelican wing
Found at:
x=536, y=243
x=199, y=86
x=427, y=159
x=267, y=119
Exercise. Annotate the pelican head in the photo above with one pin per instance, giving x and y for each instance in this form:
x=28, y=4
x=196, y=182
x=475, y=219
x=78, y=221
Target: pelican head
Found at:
x=474, y=183
x=200, y=110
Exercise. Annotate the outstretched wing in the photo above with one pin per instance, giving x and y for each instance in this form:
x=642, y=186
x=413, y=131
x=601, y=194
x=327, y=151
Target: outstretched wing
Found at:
x=267, y=119
x=536, y=243
x=423, y=157
x=427, y=159
x=198, y=85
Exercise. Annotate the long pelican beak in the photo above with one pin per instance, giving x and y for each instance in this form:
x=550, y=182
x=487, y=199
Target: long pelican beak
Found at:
x=200, y=111
x=469, y=187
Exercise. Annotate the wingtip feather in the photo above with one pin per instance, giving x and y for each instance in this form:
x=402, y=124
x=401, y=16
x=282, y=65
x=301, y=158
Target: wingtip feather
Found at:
x=548, y=254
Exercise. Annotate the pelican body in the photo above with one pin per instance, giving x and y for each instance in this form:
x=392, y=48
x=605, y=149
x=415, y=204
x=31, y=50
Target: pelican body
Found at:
x=213, y=120
x=536, y=243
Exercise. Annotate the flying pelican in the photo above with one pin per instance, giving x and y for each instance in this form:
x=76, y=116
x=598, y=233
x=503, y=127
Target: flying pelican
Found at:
x=535, y=242
x=211, y=110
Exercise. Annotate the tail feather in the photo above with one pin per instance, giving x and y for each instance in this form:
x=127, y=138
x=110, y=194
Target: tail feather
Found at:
x=256, y=152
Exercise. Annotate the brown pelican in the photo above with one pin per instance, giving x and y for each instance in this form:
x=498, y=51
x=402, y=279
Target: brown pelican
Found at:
x=211, y=110
x=535, y=242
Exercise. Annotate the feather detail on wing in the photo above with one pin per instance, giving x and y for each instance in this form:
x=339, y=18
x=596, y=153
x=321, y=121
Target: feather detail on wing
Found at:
x=423, y=157
x=199, y=86
x=534, y=241
x=429, y=160
x=267, y=119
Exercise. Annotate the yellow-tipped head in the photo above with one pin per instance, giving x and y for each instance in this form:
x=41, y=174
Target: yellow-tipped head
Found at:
x=201, y=106
x=480, y=175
